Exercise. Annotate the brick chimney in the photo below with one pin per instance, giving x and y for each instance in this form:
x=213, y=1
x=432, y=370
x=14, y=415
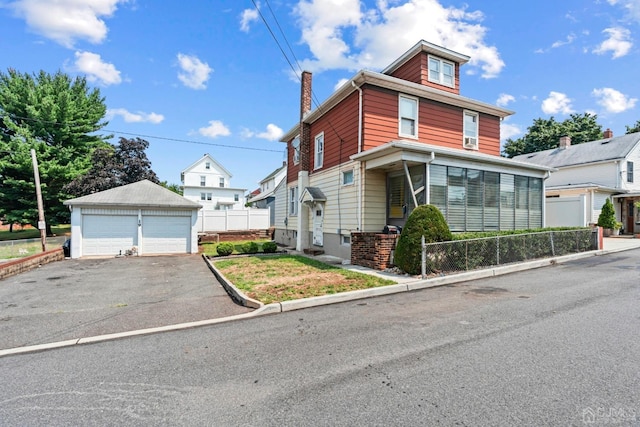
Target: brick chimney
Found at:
x=305, y=128
x=608, y=134
x=565, y=142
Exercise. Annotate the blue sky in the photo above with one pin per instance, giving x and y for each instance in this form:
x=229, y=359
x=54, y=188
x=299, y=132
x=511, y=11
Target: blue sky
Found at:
x=195, y=77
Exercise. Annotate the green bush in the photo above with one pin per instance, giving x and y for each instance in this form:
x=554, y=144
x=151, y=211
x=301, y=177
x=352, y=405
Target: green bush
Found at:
x=249, y=247
x=427, y=221
x=607, y=218
x=269, y=247
x=224, y=248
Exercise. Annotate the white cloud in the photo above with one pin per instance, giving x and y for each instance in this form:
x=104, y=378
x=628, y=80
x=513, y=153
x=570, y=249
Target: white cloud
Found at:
x=95, y=69
x=340, y=83
x=632, y=7
x=215, y=129
x=195, y=73
x=570, y=39
x=557, y=103
x=66, y=21
x=618, y=42
x=508, y=130
x=247, y=17
x=612, y=100
x=272, y=133
x=504, y=99
x=380, y=34
x=138, y=117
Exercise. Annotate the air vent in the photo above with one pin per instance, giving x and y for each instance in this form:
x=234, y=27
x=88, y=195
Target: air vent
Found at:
x=470, y=142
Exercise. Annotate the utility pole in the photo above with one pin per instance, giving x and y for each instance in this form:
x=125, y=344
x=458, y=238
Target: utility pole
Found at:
x=42, y=226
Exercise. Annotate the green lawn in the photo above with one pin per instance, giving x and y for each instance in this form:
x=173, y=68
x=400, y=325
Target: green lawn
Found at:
x=287, y=277
x=32, y=233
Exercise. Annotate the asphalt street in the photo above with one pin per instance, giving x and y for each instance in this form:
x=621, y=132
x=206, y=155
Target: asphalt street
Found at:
x=552, y=346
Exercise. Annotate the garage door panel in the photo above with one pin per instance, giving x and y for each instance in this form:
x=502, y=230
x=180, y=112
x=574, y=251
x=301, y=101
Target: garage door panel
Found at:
x=108, y=234
x=166, y=234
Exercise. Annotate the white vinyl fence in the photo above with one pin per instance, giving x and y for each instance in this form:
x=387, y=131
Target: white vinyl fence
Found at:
x=231, y=220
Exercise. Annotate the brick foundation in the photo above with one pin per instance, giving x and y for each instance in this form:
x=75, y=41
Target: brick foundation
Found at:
x=373, y=250
x=21, y=265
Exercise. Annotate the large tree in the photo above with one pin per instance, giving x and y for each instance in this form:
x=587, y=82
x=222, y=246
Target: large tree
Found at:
x=113, y=166
x=545, y=134
x=57, y=116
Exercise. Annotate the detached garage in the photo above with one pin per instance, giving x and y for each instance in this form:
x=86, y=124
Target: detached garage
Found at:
x=142, y=218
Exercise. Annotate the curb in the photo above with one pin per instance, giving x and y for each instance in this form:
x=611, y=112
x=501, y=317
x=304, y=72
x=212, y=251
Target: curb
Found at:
x=236, y=294
x=281, y=307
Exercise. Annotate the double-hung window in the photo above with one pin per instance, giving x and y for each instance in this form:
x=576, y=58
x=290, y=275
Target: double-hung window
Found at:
x=441, y=71
x=295, y=144
x=629, y=171
x=319, y=151
x=470, y=138
x=293, y=201
x=203, y=181
x=221, y=182
x=408, y=120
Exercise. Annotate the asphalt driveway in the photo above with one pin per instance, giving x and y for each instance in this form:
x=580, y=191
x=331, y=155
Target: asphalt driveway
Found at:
x=87, y=297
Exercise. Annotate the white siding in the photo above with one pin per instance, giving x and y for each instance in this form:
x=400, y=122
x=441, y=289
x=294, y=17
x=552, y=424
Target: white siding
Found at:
x=634, y=157
x=604, y=174
x=280, y=205
x=340, y=211
x=374, y=204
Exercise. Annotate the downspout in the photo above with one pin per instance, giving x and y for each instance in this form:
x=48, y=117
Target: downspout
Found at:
x=427, y=179
x=361, y=171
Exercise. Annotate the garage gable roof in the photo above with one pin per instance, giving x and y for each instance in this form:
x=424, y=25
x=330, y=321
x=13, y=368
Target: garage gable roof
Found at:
x=139, y=194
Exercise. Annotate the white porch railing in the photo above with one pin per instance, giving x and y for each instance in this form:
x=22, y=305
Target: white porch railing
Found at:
x=231, y=220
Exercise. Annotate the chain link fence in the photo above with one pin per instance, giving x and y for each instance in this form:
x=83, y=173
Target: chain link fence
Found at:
x=474, y=254
x=21, y=248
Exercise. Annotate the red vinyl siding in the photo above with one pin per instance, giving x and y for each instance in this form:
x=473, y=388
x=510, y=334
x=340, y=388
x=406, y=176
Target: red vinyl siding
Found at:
x=438, y=124
x=340, y=127
x=416, y=70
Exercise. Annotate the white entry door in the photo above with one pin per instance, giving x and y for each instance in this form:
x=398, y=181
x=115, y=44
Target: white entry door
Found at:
x=318, y=220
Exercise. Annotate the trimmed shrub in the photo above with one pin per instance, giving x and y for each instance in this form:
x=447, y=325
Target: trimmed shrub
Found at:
x=250, y=248
x=427, y=221
x=224, y=248
x=269, y=247
x=607, y=218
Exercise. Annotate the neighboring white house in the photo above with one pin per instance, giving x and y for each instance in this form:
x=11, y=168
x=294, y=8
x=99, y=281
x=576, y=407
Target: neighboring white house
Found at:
x=267, y=196
x=589, y=173
x=208, y=183
x=141, y=218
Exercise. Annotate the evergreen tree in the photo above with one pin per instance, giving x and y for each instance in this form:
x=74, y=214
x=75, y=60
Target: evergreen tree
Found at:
x=58, y=117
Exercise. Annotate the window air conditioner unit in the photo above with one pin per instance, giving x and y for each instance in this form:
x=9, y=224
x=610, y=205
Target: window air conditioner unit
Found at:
x=470, y=142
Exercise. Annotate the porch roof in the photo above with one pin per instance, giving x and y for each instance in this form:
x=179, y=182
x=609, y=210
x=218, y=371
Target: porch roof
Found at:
x=387, y=155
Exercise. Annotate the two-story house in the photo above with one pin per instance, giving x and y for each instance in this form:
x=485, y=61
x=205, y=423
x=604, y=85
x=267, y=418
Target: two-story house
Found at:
x=589, y=173
x=266, y=197
x=388, y=141
x=208, y=183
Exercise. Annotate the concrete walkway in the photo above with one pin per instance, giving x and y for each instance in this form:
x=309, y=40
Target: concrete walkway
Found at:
x=404, y=284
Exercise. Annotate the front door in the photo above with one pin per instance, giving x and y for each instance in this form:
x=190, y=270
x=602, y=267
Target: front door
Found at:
x=318, y=220
x=629, y=226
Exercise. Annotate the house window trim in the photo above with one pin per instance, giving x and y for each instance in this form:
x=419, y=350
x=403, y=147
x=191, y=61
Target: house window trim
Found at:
x=318, y=156
x=296, y=150
x=293, y=201
x=345, y=240
x=400, y=117
x=629, y=172
x=465, y=143
x=221, y=182
x=207, y=165
x=342, y=176
x=203, y=181
x=441, y=74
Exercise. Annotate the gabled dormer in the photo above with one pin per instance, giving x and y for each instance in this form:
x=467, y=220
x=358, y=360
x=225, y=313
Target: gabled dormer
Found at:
x=430, y=65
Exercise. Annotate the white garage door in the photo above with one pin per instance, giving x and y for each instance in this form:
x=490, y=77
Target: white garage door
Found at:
x=108, y=234
x=166, y=234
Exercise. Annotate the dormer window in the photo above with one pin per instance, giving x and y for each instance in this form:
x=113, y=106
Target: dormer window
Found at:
x=441, y=71
x=207, y=165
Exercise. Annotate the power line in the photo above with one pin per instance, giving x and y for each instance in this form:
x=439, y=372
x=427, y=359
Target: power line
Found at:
x=188, y=141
